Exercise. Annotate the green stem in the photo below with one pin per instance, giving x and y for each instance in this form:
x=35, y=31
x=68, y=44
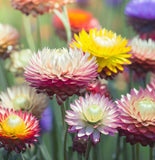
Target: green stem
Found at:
x=3, y=78
x=39, y=43
x=88, y=149
x=22, y=156
x=118, y=148
x=63, y=115
x=28, y=32
x=44, y=152
x=151, y=153
x=79, y=156
x=130, y=79
x=137, y=151
x=65, y=144
x=64, y=18
x=125, y=156
x=133, y=152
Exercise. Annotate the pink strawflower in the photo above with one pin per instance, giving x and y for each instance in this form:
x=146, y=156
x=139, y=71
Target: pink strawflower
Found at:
x=93, y=115
x=137, y=111
x=60, y=72
x=151, y=85
x=35, y=7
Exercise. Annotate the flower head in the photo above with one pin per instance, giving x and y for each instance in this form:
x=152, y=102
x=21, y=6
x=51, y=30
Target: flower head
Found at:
x=110, y=50
x=18, y=60
x=60, y=72
x=17, y=130
x=8, y=39
x=79, y=19
x=91, y=116
x=140, y=14
x=24, y=98
x=35, y=7
x=137, y=111
x=143, y=55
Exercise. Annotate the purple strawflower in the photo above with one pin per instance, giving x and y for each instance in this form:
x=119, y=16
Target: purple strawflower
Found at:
x=144, y=9
x=141, y=15
x=46, y=120
x=114, y=3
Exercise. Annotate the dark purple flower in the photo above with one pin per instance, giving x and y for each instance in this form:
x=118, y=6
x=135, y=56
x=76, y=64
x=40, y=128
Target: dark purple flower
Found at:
x=144, y=9
x=46, y=120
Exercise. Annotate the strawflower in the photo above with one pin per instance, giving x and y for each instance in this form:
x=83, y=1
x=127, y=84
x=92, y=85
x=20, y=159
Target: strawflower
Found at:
x=91, y=116
x=140, y=14
x=9, y=37
x=25, y=98
x=36, y=7
x=79, y=19
x=60, y=72
x=110, y=50
x=17, y=130
x=137, y=111
x=143, y=56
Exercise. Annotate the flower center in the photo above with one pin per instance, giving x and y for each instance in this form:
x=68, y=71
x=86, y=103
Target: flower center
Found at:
x=12, y=126
x=94, y=113
x=104, y=41
x=146, y=107
x=20, y=102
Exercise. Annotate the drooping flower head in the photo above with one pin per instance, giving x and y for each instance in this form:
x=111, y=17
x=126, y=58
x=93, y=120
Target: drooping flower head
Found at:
x=143, y=55
x=110, y=50
x=91, y=116
x=9, y=37
x=25, y=98
x=60, y=72
x=137, y=111
x=46, y=120
x=18, y=60
x=140, y=14
x=35, y=7
x=79, y=19
x=17, y=130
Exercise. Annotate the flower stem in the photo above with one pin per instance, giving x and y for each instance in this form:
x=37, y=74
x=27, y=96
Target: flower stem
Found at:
x=88, y=149
x=3, y=78
x=63, y=115
x=44, y=152
x=133, y=152
x=65, y=144
x=151, y=153
x=22, y=156
x=137, y=151
x=125, y=156
x=29, y=37
x=130, y=79
x=39, y=43
x=118, y=149
x=64, y=18
x=79, y=156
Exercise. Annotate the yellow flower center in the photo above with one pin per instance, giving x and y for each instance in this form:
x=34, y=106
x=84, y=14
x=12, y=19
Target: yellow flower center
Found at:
x=146, y=107
x=104, y=41
x=94, y=113
x=20, y=102
x=12, y=126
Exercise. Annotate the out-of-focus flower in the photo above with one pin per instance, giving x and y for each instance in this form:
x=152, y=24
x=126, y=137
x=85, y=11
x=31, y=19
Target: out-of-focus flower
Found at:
x=151, y=86
x=46, y=120
x=114, y=3
x=98, y=86
x=83, y=3
x=35, y=7
x=25, y=98
x=148, y=35
x=17, y=130
x=79, y=19
x=60, y=72
x=110, y=50
x=143, y=56
x=140, y=14
x=18, y=60
x=9, y=37
x=91, y=116
x=80, y=144
x=137, y=111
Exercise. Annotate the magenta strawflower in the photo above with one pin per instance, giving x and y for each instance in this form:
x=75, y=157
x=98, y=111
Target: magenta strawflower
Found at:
x=137, y=111
x=151, y=85
x=93, y=115
x=60, y=72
